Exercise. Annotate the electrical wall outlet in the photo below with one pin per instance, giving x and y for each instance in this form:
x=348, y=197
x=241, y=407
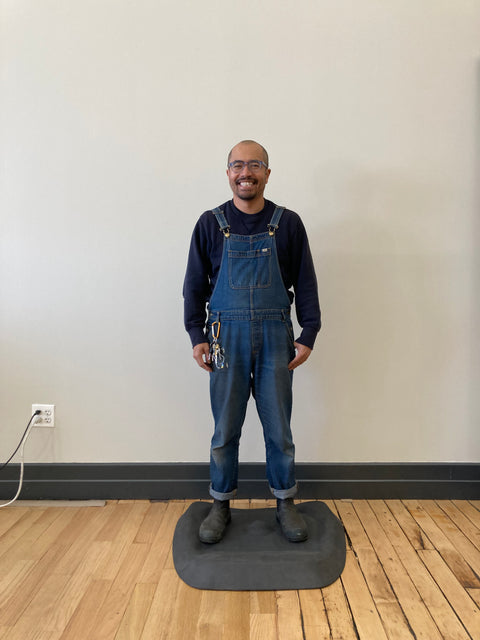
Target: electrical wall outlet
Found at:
x=47, y=415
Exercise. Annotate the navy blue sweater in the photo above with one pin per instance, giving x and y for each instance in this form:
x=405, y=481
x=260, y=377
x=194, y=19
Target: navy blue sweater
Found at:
x=294, y=256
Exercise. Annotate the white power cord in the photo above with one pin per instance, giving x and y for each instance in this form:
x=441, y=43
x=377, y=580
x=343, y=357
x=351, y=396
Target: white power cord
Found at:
x=30, y=425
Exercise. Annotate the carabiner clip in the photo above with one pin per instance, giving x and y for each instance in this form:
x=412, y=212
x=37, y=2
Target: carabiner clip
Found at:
x=215, y=330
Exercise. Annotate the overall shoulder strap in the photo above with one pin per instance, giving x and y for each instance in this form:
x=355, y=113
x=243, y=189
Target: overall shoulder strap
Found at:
x=275, y=221
x=222, y=221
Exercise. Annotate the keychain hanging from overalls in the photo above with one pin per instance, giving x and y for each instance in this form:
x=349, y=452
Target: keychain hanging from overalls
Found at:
x=217, y=356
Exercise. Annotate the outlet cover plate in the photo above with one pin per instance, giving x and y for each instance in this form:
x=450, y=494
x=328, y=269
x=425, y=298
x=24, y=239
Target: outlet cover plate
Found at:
x=47, y=415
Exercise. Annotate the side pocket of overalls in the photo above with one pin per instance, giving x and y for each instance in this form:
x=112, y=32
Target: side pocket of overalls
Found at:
x=291, y=336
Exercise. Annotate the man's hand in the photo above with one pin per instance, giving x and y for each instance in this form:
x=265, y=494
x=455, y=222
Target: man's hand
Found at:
x=201, y=353
x=302, y=354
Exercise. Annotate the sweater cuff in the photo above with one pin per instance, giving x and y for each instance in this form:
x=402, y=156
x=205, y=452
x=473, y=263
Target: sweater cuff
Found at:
x=307, y=337
x=197, y=336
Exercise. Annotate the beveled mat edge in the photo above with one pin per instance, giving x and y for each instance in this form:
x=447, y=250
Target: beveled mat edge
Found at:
x=245, y=572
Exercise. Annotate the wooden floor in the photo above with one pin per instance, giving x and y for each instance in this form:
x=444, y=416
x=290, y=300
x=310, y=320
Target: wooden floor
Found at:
x=104, y=573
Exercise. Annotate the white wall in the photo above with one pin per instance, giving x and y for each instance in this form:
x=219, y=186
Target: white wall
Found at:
x=116, y=117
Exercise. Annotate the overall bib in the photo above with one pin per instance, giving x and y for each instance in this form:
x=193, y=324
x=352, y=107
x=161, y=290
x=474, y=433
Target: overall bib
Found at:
x=250, y=310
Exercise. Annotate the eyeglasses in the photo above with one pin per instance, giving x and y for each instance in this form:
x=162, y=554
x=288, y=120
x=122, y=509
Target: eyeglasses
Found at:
x=253, y=165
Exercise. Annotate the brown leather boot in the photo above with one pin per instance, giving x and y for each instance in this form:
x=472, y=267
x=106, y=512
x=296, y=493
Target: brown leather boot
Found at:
x=213, y=527
x=291, y=522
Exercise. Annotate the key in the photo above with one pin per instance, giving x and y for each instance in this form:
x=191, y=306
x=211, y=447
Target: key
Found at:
x=216, y=355
x=219, y=359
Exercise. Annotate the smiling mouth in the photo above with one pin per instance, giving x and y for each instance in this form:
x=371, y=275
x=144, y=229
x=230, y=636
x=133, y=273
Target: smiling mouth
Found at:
x=245, y=183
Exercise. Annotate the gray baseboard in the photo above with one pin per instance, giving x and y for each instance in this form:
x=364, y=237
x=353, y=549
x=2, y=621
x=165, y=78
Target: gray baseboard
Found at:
x=170, y=481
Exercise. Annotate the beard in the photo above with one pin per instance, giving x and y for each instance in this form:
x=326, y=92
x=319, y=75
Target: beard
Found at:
x=248, y=194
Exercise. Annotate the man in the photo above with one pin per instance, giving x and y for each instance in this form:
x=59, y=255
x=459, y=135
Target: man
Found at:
x=245, y=257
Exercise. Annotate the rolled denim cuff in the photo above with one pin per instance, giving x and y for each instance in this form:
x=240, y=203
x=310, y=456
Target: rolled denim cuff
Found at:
x=283, y=494
x=222, y=496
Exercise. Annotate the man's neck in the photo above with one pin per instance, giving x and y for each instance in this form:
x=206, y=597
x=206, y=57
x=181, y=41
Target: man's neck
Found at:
x=249, y=206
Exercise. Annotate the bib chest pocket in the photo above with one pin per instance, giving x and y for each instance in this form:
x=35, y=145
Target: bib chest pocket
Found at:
x=250, y=269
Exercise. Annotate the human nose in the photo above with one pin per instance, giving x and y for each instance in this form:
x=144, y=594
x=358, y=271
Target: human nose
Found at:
x=245, y=169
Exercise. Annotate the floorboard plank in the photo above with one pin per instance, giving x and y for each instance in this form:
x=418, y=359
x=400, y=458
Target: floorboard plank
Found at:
x=240, y=504
x=263, y=626
x=317, y=633
x=339, y=614
x=133, y=622
x=391, y=614
x=367, y=619
x=26, y=590
x=118, y=515
x=9, y=517
x=358, y=538
x=409, y=599
x=263, y=602
x=475, y=595
x=82, y=621
x=110, y=614
x=210, y=624
x=27, y=539
x=393, y=618
x=80, y=542
x=462, y=570
x=468, y=510
x=468, y=550
x=25, y=529
x=465, y=607
x=237, y=616
x=161, y=545
x=160, y=615
x=107, y=573
x=461, y=521
x=151, y=522
x=289, y=619
x=37, y=615
x=415, y=534
x=260, y=504
x=432, y=596
x=313, y=611
x=11, y=577
x=78, y=583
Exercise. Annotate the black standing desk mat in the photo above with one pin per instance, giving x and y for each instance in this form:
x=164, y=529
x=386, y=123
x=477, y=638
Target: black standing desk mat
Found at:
x=255, y=556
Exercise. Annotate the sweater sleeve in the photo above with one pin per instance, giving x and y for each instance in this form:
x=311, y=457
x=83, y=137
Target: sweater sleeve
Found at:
x=196, y=286
x=305, y=287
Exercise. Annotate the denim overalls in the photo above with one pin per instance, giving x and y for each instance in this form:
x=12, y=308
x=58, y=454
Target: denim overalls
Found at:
x=252, y=307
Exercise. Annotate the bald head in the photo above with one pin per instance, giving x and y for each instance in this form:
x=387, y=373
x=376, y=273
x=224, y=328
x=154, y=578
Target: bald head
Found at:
x=261, y=149
x=250, y=175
